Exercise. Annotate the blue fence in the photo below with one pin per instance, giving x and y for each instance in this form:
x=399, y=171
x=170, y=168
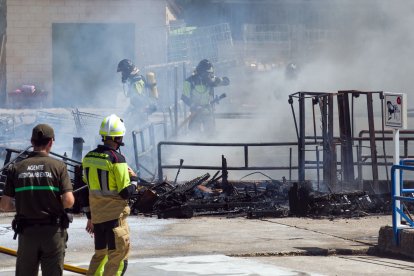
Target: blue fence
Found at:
x=404, y=195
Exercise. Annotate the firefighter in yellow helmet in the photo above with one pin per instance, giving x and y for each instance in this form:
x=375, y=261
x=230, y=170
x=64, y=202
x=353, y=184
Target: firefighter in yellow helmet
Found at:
x=110, y=184
x=198, y=94
x=136, y=88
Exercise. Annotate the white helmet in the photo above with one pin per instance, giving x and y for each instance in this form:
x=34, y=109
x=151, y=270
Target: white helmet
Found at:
x=112, y=126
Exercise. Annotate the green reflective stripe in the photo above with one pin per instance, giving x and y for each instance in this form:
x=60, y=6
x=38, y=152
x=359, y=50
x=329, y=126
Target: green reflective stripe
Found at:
x=37, y=188
x=120, y=268
x=139, y=87
x=187, y=89
x=100, y=270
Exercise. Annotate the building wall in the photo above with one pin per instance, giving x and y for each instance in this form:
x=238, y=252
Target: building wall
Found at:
x=29, y=32
x=2, y=52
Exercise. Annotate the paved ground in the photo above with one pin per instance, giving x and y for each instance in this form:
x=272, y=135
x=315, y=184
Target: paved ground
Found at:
x=238, y=246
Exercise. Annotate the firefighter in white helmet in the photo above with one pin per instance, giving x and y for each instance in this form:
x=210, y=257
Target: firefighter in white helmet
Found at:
x=110, y=184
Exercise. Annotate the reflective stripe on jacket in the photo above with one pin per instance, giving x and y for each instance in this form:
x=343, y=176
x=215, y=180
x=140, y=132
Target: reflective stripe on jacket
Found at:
x=106, y=173
x=137, y=86
x=198, y=94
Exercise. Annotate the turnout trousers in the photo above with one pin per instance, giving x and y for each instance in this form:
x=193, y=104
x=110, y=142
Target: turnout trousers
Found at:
x=202, y=122
x=112, y=247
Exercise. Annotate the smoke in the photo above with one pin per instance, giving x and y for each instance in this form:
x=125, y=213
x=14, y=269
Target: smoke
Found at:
x=371, y=52
x=369, y=47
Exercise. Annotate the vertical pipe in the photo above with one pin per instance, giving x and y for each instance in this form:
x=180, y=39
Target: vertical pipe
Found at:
x=317, y=165
x=160, y=176
x=152, y=142
x=359, y=162
x=301, y=144
x=175, y=100
x=372, y=143
x=314, y=122
x=326, y=155
x=397, y=183
x=290, y=164
x=383, y=135
x=352, y=117
x=170, y=113
x=347, y=163
x=141, y=135
x=164, y=127
x=405, y=148
x=184, y=77
x=331, y=143
x=396, y=217
x=134, y=141
x=246, y=156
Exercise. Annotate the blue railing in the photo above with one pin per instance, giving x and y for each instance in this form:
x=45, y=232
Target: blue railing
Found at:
x=400, y=197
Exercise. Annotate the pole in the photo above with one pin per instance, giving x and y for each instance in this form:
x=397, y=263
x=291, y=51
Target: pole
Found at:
x=175, y=100
x=178, y=172
x=396, y=138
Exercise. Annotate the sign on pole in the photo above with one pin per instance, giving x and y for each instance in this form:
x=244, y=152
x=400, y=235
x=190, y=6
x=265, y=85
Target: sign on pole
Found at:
x=395, y=116
x=395, y=110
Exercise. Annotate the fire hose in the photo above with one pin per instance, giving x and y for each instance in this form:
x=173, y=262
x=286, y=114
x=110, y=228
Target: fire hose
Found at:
x=193, y=114
x=66, y=267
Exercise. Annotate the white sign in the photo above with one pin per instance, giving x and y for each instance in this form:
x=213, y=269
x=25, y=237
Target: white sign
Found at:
x=395, y=110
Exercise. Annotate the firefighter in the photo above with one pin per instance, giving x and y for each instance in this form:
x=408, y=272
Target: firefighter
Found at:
x=142, y=93
x=198, y=94
x=42, y=190
x=291, y=71
x=110, y=184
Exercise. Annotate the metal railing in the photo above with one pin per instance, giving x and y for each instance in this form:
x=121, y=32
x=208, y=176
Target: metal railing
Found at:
x=85, y=120
x=399, y=196
x=245, y=147
x=362, y=159
x=144, y=141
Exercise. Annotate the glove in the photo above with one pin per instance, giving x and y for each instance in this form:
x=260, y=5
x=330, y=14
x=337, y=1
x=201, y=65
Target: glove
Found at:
x=133, y=177
x=225, y=81
x=134, y=182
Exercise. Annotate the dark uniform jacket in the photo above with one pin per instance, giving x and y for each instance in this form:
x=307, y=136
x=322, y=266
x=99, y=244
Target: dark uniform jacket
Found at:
x=37, y=183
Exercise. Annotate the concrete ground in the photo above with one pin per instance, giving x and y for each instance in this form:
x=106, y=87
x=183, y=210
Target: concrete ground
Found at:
x=237, y=246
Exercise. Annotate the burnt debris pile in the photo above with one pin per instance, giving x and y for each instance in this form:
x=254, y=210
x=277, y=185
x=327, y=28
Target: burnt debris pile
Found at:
x=203, y=196
x=303, y=201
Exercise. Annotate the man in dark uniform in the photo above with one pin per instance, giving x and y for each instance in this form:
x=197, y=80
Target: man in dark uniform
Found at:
x=42, y=190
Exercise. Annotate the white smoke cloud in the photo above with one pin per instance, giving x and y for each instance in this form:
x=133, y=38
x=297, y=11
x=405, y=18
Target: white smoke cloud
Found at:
x=371, y=49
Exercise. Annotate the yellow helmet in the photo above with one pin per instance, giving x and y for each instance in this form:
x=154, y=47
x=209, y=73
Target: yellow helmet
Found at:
x=112, y=126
